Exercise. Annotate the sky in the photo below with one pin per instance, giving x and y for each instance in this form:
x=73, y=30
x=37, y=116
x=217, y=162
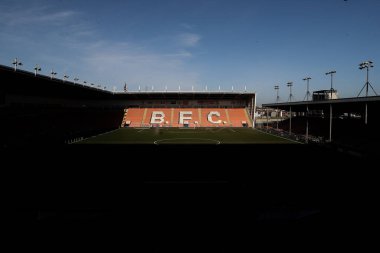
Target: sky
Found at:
x=179, y=44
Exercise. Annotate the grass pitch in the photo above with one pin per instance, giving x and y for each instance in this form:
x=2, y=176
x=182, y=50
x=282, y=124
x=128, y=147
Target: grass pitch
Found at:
x=209, y=136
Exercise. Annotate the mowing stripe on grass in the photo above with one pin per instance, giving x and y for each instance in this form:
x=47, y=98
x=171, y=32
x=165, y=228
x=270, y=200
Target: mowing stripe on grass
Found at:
x=195, y=136
x=217, y=142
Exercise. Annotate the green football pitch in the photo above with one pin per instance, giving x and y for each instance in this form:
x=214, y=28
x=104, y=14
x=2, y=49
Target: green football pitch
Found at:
x=161, y=136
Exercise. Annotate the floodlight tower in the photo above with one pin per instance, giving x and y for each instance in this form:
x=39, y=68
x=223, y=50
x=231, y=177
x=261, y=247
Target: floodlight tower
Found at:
x=366, y=65
x=276, y=87
x=290, y=84
x=307, y=79
x=16, y=63
x=331, y=73
x=52, y=74
x=37, y=68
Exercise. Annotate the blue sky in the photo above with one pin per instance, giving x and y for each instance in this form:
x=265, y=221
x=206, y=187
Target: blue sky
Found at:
x=253, y=43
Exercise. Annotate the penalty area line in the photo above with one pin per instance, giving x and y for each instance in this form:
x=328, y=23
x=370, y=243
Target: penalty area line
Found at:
x=279, y=137
x=94, y=136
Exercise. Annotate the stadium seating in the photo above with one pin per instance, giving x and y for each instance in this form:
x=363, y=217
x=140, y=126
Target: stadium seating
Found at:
x=46, y=126
x=237, y=116
x=194, y=117
x=148, y=116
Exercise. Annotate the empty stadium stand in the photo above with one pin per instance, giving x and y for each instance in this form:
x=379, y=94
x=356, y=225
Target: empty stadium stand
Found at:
x=190, y=117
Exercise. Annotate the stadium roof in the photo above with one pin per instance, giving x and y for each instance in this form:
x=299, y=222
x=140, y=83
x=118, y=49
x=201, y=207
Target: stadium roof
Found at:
x=22, y=81
x=355, y=104
x=184, y=95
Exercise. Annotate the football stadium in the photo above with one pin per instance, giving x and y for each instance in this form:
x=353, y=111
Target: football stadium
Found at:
x=179, y=149
x=40, y=110
x=189, y=126
x=46, y=111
